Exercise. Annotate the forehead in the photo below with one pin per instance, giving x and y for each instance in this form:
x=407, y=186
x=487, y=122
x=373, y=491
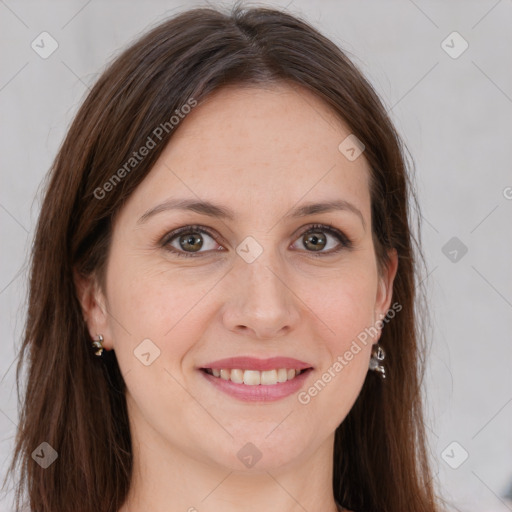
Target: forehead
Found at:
x=273, y=145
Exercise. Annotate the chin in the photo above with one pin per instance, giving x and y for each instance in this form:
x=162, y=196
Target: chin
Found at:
x=263, y=451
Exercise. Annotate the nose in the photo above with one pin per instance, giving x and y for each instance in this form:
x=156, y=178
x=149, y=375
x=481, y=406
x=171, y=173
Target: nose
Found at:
x=261, y=302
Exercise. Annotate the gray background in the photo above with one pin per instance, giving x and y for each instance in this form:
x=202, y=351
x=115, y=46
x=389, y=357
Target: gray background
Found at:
x=455, y=115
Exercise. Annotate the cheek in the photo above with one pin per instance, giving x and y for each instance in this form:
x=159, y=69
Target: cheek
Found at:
x=345, y=316
x=345, y=303
x=154, y=312
x=156, y=303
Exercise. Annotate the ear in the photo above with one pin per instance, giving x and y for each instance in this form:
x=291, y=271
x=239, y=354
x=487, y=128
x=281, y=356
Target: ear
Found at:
x=385, y=286
x=93, y=304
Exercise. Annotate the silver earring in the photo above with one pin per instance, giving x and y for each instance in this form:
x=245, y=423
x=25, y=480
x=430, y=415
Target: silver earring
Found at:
x=378, y=355
x=98, y=345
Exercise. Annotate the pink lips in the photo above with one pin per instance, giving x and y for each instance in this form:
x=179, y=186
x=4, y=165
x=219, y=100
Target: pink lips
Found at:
x=251, y=363
x=262, y=393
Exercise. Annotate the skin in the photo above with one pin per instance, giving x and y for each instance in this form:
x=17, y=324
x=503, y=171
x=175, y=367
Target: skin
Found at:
x=260, y=152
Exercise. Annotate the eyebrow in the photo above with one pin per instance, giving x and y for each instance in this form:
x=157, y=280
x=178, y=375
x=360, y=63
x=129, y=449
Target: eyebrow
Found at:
x=223, y=212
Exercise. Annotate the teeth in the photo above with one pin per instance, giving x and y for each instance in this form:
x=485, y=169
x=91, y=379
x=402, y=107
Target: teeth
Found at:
x=251, y=377
x=269, y=377
x=282, y=375
x=255, y=377
x=237, y=376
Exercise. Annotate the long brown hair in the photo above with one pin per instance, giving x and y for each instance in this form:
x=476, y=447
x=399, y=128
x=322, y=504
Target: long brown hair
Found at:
x=74, y=401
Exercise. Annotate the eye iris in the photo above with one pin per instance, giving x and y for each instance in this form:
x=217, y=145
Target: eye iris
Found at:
x=187, y=242
x=319, y=242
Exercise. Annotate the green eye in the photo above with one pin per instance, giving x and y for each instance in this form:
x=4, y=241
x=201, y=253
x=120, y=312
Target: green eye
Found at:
x=315, y=238
x=190, y=240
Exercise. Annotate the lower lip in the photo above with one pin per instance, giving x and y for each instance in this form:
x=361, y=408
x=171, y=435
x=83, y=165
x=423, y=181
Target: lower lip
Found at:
x=259, y=393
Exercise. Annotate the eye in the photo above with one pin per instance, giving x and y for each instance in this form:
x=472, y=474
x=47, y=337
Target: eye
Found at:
x=315, y=239
x=187, y=241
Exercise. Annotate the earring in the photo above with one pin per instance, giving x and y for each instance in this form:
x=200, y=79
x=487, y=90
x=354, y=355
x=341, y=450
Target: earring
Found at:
x=98, y=345
x=378, y=355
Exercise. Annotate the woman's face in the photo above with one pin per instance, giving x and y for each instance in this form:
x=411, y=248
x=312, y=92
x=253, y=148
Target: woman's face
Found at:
x=257, y=282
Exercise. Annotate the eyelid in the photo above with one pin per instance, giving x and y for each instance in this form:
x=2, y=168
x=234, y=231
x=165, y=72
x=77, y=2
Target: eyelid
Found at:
x=329, y=228
x=344, y=241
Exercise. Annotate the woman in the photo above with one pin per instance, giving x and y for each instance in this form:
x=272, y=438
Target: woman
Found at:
x=221, y=311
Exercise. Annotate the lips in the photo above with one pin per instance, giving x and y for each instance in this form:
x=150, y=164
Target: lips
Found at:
x=252, y=363
x=252, y=379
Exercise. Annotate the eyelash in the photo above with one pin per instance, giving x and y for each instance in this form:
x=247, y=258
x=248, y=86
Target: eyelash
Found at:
x=345, y=242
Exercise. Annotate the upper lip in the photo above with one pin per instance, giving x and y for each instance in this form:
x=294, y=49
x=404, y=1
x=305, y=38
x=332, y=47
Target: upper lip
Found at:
x=252, y=363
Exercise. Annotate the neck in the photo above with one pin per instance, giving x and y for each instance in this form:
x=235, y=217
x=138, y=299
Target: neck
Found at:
x=166, y=479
